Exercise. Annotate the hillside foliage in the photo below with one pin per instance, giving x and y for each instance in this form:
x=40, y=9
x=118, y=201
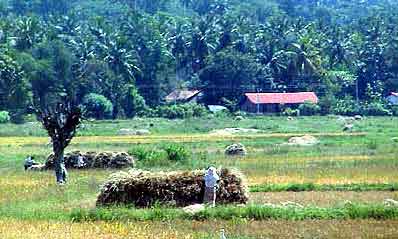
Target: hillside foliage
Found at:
x=135, y=52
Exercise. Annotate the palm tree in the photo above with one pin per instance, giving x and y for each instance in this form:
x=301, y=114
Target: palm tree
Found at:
x=27, y=31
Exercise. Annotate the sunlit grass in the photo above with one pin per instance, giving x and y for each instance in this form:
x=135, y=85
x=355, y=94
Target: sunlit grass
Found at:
x=179, y=138
x=339, y=159
x=199, y=230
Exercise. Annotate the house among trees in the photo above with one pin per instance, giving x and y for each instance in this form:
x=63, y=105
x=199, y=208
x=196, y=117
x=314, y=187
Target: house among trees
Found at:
x=393, y=98
x=274, y=102
x=183, y=96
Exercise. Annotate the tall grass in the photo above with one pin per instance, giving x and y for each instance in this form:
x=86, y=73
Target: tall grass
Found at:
x=251, y=212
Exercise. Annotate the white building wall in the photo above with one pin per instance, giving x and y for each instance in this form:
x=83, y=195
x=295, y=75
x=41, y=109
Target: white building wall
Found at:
x=393, y=99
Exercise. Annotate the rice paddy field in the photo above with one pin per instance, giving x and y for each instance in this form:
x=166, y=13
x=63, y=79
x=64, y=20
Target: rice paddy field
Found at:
x=339, y=186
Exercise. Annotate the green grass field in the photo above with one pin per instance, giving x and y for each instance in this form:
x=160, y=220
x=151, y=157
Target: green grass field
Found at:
x=360, y=167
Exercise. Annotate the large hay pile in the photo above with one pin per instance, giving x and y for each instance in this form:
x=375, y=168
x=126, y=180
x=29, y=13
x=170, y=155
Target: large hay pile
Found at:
x=143, y=188
x=236, y=150
x=94, y=160
x=306, y=140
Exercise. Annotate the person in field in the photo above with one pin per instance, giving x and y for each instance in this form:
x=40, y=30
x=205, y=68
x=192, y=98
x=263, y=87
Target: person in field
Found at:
x=29, y=162
x=211, y=185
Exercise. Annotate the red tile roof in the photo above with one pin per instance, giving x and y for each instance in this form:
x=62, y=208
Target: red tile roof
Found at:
x=282, y=98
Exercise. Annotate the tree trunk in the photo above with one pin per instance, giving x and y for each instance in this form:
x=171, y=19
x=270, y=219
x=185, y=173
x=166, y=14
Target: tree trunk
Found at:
x=59, y=166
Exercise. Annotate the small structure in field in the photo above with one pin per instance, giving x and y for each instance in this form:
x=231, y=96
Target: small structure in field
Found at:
x=236, y=150
x=183, y=188
x=393, y=98
x=80, y=160
x=262, y=103
x=183, y=96
x=217, y=108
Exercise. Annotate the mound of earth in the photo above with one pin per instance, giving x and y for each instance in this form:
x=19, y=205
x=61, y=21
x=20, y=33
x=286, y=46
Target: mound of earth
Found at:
x=80, y=160
x=306, y=140
x=232, y=131
x=181, y=188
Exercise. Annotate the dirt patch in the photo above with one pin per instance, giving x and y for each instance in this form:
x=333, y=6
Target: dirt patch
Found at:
x=322, y=199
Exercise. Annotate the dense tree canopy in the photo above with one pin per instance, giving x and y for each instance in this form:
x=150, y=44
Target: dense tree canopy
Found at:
x=134, y=52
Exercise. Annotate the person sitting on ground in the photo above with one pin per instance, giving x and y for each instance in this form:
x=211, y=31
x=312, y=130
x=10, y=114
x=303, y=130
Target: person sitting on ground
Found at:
x=211, y=184
x=80, y=162
x=29, y=162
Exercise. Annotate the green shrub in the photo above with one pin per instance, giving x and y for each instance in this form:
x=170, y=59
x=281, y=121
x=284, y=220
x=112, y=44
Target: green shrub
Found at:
x=394, y=110
x=289, y=112
x=97, y=106
x=4, y=117
x=309, y=108
x=223, y=114
x=181, y=111
x=142, y=154
x=346, y=106
x=373, y=145
x=176, y=152
x=375, y=109
x=134, y=104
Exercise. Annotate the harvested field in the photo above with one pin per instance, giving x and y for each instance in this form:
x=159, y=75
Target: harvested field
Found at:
x=364, y=229
x=33, y=206
x=322, y=199
x=164, y=138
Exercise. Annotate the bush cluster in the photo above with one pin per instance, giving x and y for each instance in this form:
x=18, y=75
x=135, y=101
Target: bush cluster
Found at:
x=181, y=111
x=309, y=108
x=348, y=106
x=170, y=152
x=4, y=117
x=375, y=109
x=97, y=106
x=176, y=152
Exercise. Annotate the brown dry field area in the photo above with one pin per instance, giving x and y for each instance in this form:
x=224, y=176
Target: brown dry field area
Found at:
x=369, y=229
x=322, y=199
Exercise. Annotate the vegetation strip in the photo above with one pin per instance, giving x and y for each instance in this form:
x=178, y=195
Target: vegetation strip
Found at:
x=305, y=187
x=166, y=138
x=251, y=212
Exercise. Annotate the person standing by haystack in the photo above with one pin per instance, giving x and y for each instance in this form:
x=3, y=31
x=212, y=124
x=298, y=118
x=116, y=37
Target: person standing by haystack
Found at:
x=211, y=184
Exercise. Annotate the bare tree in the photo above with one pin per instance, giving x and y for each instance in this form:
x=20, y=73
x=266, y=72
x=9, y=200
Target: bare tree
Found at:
x=61, y=122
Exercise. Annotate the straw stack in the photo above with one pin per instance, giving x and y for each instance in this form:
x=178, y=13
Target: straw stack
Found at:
x=144, y=188
x=94, y=160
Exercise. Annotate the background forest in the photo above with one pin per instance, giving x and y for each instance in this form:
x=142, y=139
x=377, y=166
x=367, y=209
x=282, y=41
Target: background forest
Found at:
x=122, y=57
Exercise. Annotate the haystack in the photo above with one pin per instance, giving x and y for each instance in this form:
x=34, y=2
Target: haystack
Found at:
x=306, y=140
x=134, y=132
x=236, y=150
x=234, y=131
x=144, y=188
x=94, y=160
